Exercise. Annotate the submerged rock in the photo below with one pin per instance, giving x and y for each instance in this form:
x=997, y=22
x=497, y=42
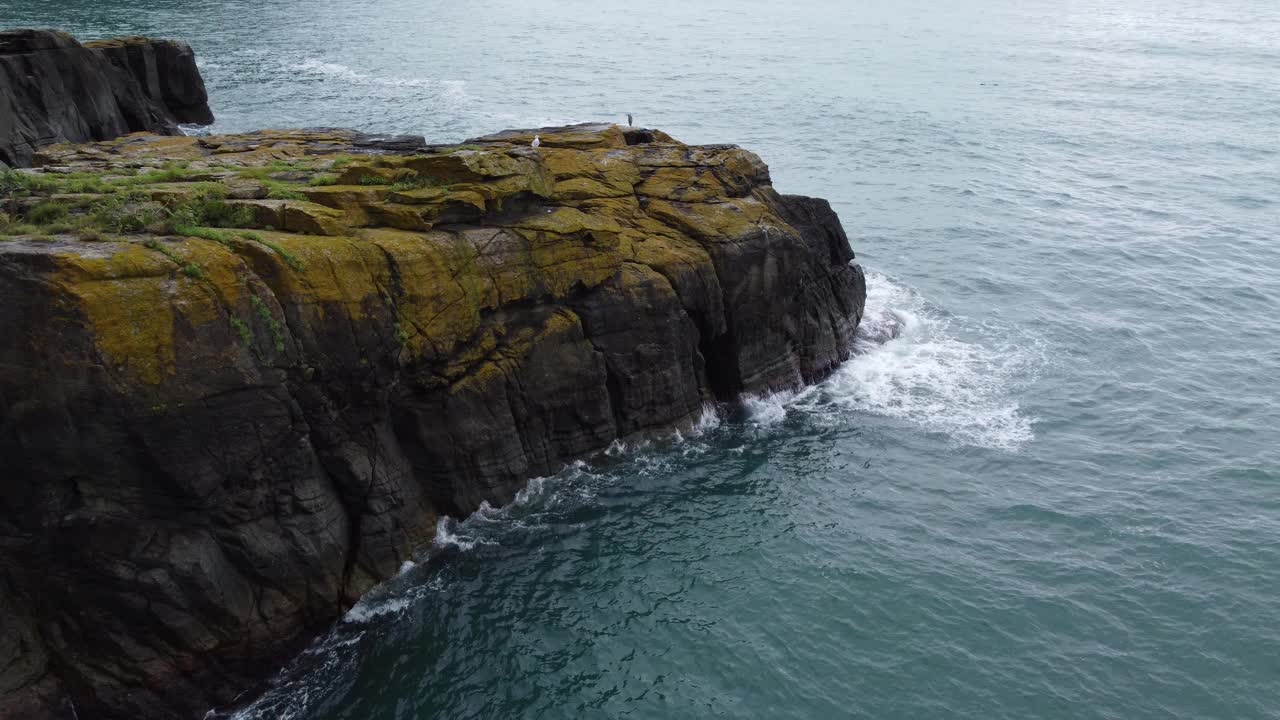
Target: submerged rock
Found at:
x=53, y=89
x=214, y=440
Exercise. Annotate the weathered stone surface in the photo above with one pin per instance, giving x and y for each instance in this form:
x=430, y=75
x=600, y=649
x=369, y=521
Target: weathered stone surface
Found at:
x=53, y=89
x=213, y=445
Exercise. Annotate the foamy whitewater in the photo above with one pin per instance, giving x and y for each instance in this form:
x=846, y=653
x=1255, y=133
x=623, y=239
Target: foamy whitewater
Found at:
x=909, y=365
x=1046, y=485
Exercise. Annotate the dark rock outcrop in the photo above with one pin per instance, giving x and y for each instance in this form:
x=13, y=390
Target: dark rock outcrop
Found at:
x=214, y=441
x=53, y=89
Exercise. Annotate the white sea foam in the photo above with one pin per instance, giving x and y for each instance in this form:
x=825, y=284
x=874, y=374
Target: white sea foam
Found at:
x=369, y=608
x=448, y=534
x=709, y=420
x=329, y=657
x=339, y=71
x=911, y=363
x=539, y=495
x=534, y=488
x=771, y=409
x=336, y=70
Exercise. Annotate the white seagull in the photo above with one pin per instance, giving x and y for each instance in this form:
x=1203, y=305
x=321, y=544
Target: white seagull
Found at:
x=536, y=141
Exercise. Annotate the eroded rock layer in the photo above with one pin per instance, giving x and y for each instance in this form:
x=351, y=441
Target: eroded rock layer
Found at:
x=215, y=439
x=53, y=89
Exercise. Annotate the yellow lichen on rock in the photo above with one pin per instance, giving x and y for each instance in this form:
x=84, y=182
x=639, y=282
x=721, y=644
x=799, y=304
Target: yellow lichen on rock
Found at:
x=137, y=298
x=730, y=219
x=685, y=184
x=580, y=176
x=294, y=216
x=434, y=290
x=133, y=150
x=127, y=294
x=316, y=270
x=352, y=200
x=426, y=243
x=418, y=247
x=498, y=356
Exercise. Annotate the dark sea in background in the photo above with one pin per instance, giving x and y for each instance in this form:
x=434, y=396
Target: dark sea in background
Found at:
x=1048, y=486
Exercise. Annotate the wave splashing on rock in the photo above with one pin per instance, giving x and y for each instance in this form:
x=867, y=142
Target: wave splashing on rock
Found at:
x=924, y=367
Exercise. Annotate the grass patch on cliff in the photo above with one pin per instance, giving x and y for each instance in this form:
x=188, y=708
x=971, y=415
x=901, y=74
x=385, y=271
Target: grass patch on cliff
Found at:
x=79, y=184
x=17, y=183
x=86, y=205
x=57, y=217
x=274, y=168
x=278, y=188
x=10, y=228
x=204, y=233
x=242, y=329
x=190, y=269
x=264, y=314
x=116, y=212
x=48, y=212
x=289, y=258
x=13, y=181
x=170, y=173
x=125, y=213
x=411, y=180
x=48, y=220
x=207, y=209
x=283, y=191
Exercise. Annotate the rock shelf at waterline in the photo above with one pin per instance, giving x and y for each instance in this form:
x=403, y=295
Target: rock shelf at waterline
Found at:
x=250, y=373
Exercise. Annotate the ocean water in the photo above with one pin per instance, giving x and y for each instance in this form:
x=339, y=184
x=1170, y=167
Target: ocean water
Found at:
x=1047, y=485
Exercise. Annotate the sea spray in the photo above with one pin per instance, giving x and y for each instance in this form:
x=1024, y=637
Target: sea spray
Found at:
x=923, y=367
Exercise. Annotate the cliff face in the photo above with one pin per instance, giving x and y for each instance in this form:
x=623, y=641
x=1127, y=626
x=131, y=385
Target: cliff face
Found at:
x=214, y=439
x=53, y=89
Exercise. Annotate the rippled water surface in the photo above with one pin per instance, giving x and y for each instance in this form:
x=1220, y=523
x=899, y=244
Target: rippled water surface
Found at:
x=1047, y=485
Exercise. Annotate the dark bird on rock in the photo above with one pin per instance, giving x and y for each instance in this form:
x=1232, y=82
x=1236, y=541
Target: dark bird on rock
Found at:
x=628, y=119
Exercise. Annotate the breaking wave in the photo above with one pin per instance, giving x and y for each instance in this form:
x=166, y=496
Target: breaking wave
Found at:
x=914, y=363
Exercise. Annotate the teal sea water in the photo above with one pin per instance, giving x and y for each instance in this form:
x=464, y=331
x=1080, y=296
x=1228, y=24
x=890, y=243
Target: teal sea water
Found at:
x=1048, y=484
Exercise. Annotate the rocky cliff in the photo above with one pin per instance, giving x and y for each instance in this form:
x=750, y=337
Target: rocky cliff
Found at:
x=243, y=376
x=53, y=89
